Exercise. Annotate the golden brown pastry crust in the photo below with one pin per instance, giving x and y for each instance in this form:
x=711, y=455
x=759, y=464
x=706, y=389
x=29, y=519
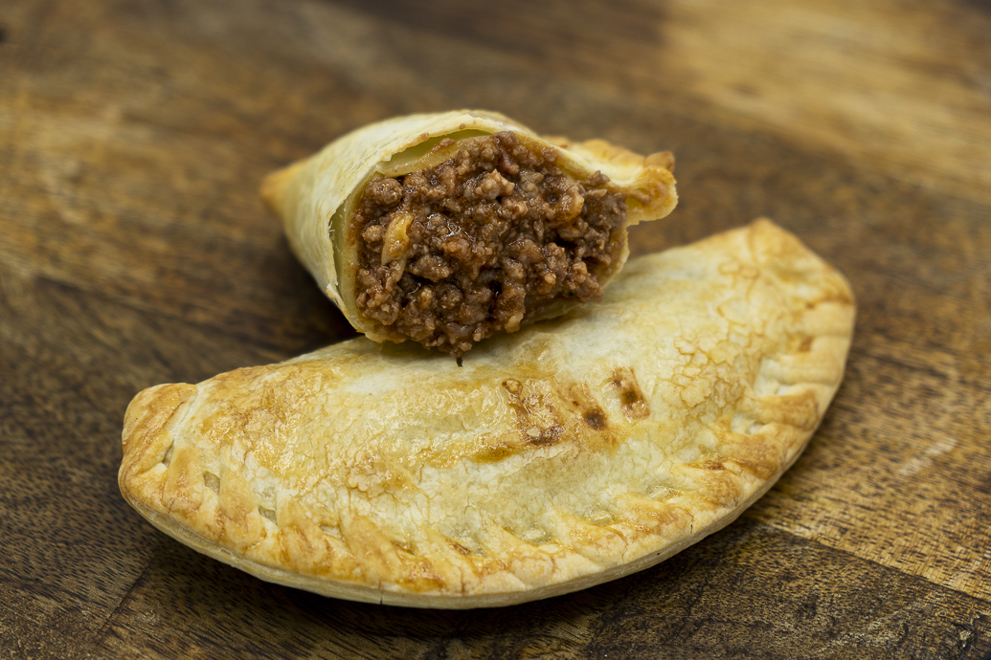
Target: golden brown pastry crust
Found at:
x=315, y=197
x=579, y=451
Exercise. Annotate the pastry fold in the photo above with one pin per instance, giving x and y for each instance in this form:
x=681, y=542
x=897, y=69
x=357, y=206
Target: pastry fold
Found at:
x=448, y=228
x=582, y=450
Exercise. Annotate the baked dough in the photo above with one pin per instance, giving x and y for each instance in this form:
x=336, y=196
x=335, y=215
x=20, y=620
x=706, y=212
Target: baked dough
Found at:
x=579, y=451
x=317, y=199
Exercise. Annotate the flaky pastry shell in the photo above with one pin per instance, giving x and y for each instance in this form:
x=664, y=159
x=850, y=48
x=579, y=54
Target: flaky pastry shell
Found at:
x=579, y=451
x=316, y=197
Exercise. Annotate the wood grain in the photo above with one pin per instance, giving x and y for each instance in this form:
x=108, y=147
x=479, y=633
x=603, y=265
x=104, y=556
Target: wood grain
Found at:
x=133, y=251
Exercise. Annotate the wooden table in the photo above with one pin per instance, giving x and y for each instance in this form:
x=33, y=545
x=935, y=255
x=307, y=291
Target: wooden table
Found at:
x=134, y=250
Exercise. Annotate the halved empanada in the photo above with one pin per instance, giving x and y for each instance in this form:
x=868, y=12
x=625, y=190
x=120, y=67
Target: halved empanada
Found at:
x=448, y=228
x=582, y=450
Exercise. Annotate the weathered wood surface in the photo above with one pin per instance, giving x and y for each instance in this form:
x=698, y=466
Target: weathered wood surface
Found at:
x=133, y=251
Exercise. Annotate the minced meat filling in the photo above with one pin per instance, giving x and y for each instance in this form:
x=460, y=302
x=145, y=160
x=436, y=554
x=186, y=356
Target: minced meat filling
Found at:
x=482, y=242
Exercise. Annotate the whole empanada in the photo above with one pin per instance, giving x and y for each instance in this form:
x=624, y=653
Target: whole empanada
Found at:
x=448, y=228
x=581, y=450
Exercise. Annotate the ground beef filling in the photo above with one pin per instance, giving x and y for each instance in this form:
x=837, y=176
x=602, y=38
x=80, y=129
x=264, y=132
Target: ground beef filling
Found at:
x=482, y=243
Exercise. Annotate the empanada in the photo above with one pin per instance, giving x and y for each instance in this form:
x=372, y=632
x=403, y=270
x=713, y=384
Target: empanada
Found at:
x=448, y=228
x=581, y=450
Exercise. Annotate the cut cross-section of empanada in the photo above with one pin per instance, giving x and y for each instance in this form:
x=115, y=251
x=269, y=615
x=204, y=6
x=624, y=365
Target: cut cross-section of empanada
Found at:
x=448, y=228
x=579, y=451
